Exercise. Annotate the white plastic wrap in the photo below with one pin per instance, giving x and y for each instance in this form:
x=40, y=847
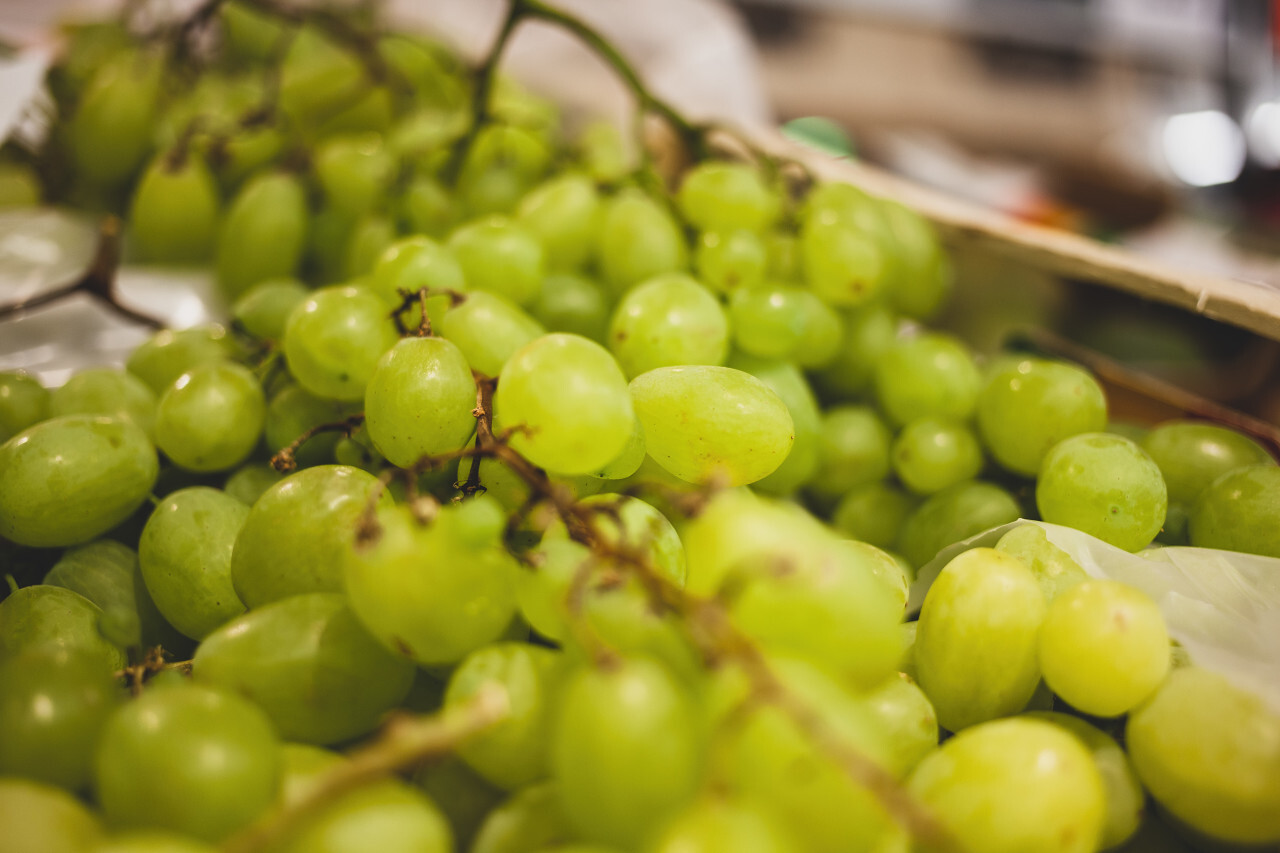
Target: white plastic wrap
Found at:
x=1222, y=606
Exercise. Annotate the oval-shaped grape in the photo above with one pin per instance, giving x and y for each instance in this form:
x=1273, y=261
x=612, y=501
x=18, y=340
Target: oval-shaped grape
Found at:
x=1238, y=512
x=420, y=400
x=211, y=418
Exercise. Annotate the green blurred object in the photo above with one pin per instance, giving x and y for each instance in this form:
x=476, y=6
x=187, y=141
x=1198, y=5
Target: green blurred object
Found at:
x=819, y=133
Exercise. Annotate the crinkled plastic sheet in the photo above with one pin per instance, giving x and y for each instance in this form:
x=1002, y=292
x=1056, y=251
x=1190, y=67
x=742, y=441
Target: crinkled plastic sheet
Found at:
x=1222, y=606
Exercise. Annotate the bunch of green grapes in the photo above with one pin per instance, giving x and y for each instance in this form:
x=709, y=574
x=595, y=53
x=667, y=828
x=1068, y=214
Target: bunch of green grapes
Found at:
x=500, y=411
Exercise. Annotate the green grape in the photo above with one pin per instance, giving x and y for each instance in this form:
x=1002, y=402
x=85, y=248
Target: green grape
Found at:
x=190, y=759
x=169, y=354
x=1124, y=794
x=24, y=402
x=853, y=452
x=874, y=513
x=1236, y=512
x=328, y=238
x=318, y=77
x=905, y=712
x=629, y=460
x=19, y=186
x=67, y=480
x=40, y=616
x=309, y=664
x=563, y=214
x=868, y=333
x=294, y=538
x=387, y=815
x=292, y=412
x=624, y=751
x=957, y=512
x=512, y=753
x=105, y=391
x=488, y=328
x=720, y=825
x=638, y=240
x=110, y=131
x=826, y=605
x=426, y=207
x=786, y=380
x=108, y=574
x=1053, y=568
x=769, y=320
x=51, y=711
x=925, y=281
x=372, y=235
x=263, y=309
x=975, y=652
x=174, y=214
x=185, y=554
x=1104, y=485
x=543, y=589
x=432, y=70
x=931, y=374
x=571, y=399
x=737, y=525
x=731, y=261
x=334, y=339
x=842, y=265
x=1209, y=752
x=419, y=400
x=303, y=766
x=503, y=163
x=263, y=233
x=931, y=453
x=668, y=320
x=1014, y=785
x=434, y=592
x=722, y=196
x=354, y=172
x=410, y=264
x=1192, y=455
x=622, y=521
x=764, y=755
x=705, y=422
x=42, y=819
x=463, y=795
x=604, y=152
x=210, y=419
x=1104, y=647
x=501, y=256
x=248, y=482
x=1031, y=405
x=251, y=35
x=529, y=821
x=823, y=336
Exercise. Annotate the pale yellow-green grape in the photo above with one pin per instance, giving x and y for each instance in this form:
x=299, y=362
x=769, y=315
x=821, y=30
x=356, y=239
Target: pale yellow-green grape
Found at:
x=625, y=752
x=907, y=715
x=638, y=240
x=334, y=340
x=976, y=647
x=387, y=815
x=719, y=824
x=1238, y=510
x=564, y=214
x=841, y=264
x=1104, y=647
x=110, y=131
x=1053, y=567
x=760, y=754
x=56, y=618
x=721, y=195
x=569, y=402
x=354, y=172
x=668, y=320
x=931, y=453
x=168, y=354
x=604, y=151
x=67, y=480
x=823, y=337
x=705, y=423
x=529, y=821
x=39, y=818
x=1191, y=455
x=925, y=278
x=501, y=256
x=419, y=400
x=371, y=235
x=1011, y=786
x=309, y=664
x=573, y=303
x=892, y=572
x=737, y=524
x=504, y=162
x=512, y=753
x=786, y=380
x=23, y=403
x=174, y=214
x=932, y=374
x=1209, y=752
x=105, y=391
x=211, y=418
x=488, y=328
x=629, y=460
x=731, y=261
x=436, y=591
x=1124, y=795
x=263, y=233
x=410, y=264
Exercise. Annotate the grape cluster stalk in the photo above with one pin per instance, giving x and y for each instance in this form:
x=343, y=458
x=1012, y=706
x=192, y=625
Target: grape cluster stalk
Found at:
x=546, y=494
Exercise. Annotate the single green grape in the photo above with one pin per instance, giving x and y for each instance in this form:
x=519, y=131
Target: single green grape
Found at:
x=263, y=308
x=1104, y=647
x=185, y=554
x=1237, y=512
x=334, y=339
x=926, y=277
x=769, y=320
x=354, y=172
x=868, y=333
x=573, y=303
x=24, y=402
x=169, y=354
x=604, y=151
x=410, y=264
x=174, y=214
x=789, y=383
x=108, y=573
x=905, y=712
x=932, y=453
x=67, y=480
x=1031, y=405
x=488, y=329
x=823, y=337
x=668, y=320
x=387, y=815
x=842, y=265
x=263, y=234
x=40, y=616
x=110, y=132
x=731, y=261
x=501, y=256
x=211, y=418
x=853, y=451
x=638, y=240
x=569, y=399
x=713, y=824
x=1104, y=485
x=1054, y=568
x=427, y=208
x=932, y=374
x=105, y=391
x=1015, y=785
x=721, y=195
x=40, y=818
x=873, y=513
x=309, y=664
x=563, y=213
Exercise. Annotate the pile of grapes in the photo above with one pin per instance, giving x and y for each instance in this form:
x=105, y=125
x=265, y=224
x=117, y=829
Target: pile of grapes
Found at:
x=537, y=498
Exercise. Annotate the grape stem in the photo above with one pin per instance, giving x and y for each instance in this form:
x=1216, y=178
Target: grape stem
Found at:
x=98, y=281
x=285, y=461
x=410, y=298
x=405, y=740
